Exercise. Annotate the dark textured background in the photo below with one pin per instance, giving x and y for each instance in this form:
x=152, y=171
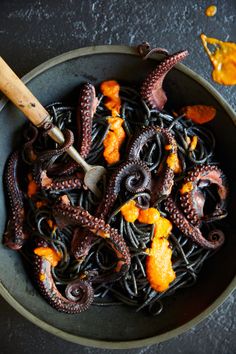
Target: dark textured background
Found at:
x=34, y=31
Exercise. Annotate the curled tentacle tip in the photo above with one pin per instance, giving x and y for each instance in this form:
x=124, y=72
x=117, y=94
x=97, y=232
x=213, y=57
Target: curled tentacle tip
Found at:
x=145, y=50
x=152, y=90
x=216, y=237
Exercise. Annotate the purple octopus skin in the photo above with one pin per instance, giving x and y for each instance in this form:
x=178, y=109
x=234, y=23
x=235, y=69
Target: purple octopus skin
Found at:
x=65, y=214
x=190, y=230
x=14, y=237
x=62, y=184
x=87, y=105
x=151, y=90
x=48, y=289
x=86, y=109
x=163, y=180
x=46, y=158
x=192, y=202
x=81, y=243
x=134, y=175
x=31, y=135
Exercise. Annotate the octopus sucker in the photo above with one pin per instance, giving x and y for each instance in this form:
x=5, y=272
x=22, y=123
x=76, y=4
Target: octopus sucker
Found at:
x=15, y=236
x=58, y=185
x=151, y=90
x=190, y=230
x=48, y=289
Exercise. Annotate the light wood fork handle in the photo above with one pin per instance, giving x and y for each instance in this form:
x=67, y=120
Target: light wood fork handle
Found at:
x=20, y=95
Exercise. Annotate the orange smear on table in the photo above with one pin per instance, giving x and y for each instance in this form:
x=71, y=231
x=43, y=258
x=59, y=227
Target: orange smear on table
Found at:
x=116, y=134
x=130, y=211
x=32, y=186
x=51, y=255
x=211, y=10
x=158, y=264
x=199, y=114
x=173, y=162
x=223, y=59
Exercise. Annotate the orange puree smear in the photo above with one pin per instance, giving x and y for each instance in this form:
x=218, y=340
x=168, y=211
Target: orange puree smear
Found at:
x=111, y=89
x=40, y=204
x=148, y=216
x=51, y=255
x=116, y=134
x=200, y=113
x=173, y=162
x=158, y=265
x=168, y=147
x=42, y=276
x=186, y=188
x=129, y=211
x=223, y=59
x=32, y=186
x=211, y=10
x=193, y=143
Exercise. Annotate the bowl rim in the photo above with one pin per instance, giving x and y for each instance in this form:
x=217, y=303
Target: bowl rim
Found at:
x=119, y=49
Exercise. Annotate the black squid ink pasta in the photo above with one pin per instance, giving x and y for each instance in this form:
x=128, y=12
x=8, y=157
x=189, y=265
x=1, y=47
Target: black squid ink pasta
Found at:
x=132, y=289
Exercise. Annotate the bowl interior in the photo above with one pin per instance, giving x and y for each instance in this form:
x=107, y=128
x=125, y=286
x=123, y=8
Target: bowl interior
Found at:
x=121, y=323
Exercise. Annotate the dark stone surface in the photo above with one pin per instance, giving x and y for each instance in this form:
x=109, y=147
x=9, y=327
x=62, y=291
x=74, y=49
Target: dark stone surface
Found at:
x=34, y=31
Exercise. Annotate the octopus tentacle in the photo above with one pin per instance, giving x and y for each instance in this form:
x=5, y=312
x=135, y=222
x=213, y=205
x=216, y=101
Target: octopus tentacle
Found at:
x=163, y=180
x=54, y=153
x=14, y=236
x=71, y=304
x=190, y=230
x=146, y=134
x=31, y=135
x=136, y=177
x=86, y=109
x=193, y=199
x=79, y=216
x=81, y=243
x=45, y=158
x=61, y=184
x=151, y=90
x=87, y=106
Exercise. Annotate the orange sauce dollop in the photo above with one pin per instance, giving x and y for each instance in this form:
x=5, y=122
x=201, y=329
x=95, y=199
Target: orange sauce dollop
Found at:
x=158, y=265
x=32, y=186
x=199, y=113
x=223, y=59
x=130, y=211
x=116, y=134
x=50, y=254
x=173, y=162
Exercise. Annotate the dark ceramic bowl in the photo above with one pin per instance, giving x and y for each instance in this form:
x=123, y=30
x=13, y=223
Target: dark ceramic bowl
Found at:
x=121, y=327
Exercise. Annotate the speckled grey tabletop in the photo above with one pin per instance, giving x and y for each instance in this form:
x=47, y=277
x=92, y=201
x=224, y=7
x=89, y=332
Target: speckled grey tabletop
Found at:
x=34, y=31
